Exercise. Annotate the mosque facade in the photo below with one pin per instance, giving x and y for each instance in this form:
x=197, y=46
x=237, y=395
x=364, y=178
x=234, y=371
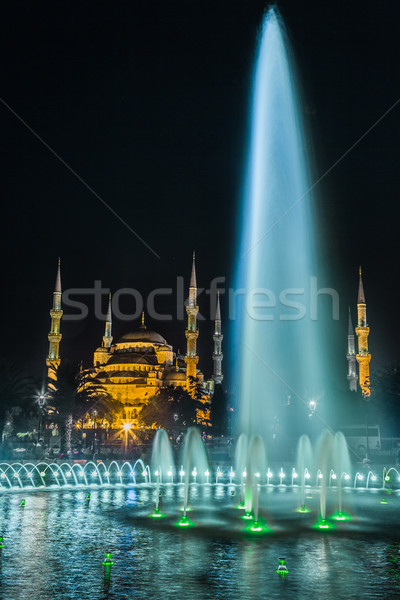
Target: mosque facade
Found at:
x=135, y=367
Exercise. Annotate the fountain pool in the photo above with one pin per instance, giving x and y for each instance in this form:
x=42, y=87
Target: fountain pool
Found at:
x=54, y=546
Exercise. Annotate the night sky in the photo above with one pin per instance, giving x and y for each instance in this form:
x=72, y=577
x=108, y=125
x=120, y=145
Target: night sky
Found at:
x=148, y=102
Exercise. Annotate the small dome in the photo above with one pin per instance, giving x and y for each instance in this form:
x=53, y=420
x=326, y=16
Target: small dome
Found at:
x=175, y=376
x=101, y=349
x=143, y=335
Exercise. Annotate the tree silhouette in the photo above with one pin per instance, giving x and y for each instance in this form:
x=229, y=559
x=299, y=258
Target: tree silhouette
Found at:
x=219, y=411
x=172, y=408
x=17, y=391
x=75, y=394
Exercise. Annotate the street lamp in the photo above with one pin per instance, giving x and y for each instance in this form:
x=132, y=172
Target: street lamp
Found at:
x=41, y=402
x=312, y=405
x=127, y=427
x=94, y=413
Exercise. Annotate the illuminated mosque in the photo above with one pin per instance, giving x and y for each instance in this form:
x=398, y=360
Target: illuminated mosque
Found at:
x=141, y=362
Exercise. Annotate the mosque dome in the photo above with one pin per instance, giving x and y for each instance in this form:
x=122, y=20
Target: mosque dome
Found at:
x=102, y=349
x=143, y=335
x=175, y=376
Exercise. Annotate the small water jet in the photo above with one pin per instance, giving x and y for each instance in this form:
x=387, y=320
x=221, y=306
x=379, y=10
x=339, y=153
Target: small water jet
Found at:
x=341, y=463
x=161, y=462
x=194, y=455
x=304, y=466
x=323, y=464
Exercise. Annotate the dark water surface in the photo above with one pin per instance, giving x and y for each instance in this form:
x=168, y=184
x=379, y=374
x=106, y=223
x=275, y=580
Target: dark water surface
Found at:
x=54, y=547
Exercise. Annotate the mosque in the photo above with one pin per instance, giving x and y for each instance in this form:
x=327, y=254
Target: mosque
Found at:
x=141, y=362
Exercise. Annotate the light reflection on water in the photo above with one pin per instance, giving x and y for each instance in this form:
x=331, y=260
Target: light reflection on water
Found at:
x=54, y=548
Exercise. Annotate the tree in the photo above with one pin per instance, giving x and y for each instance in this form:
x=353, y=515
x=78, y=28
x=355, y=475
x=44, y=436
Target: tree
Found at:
x=219, y=411
x=74, y=395
x=385, y=396
x=17, y=390
x=172, y=408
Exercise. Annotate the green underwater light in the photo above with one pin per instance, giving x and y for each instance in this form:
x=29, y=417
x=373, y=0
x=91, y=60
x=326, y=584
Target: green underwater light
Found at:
x=240, y=506
x=303, y=509
x=188, y=509
x=247, y=516
x=341, y=516
x=383, y=501
x=282, y=570
x=1, y=542
x=22, y=503
x=257, y=528
x=108, y=562
x=157, y=514
x=184, y=522
x=323, y=524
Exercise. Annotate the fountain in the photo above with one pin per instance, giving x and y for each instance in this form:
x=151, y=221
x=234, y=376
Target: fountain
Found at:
x=341, y=461
x=240, y=465
x=162, y=463
x=263, y=486
x=304, y=466
x=324, y=455
x=194, y=457
x=278, y=356
x=277, y=340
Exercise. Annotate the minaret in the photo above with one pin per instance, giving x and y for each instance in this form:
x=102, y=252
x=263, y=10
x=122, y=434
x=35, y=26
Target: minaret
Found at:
x=192, y=333
x=217, y=354
x=362, y=331
x=53, y=359
x=351, y=357
x=107, y=337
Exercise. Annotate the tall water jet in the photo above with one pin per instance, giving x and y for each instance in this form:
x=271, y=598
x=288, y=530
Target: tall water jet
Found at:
x=276, y=341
